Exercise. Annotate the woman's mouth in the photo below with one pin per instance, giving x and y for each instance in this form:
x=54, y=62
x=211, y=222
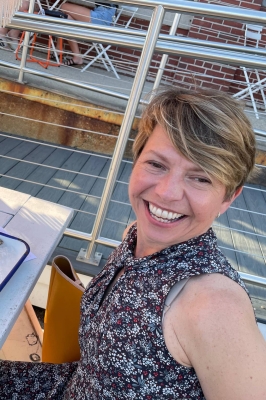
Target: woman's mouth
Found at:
x=162, y=215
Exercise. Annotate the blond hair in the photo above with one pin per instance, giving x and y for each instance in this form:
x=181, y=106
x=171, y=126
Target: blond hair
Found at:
x=207, y=127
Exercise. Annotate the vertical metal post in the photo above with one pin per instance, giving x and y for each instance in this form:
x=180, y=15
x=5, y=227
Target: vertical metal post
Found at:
x=25, y=47
x=165, y=56
x=132, y=105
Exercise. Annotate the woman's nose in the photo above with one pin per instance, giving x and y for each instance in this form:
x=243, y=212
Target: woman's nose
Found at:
x=170, y=188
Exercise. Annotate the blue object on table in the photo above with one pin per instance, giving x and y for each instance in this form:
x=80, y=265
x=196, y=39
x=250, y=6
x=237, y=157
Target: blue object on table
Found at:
x=13, y=252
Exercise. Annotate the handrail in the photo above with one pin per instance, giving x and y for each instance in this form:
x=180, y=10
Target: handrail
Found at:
x=257, y=280
x=133, y=32
x=203, y=9
x=128, y=32
x=172, y=47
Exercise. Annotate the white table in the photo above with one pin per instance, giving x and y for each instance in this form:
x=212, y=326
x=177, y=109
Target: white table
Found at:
x=41, y=224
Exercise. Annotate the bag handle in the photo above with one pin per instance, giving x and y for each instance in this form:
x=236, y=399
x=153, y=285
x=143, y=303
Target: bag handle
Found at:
x=64, y=267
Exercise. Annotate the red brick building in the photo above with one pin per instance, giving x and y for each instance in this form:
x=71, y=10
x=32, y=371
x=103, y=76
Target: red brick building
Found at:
x=189, y=70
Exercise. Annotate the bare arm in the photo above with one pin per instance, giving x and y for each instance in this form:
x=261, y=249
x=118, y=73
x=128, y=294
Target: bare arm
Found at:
x=216, y=330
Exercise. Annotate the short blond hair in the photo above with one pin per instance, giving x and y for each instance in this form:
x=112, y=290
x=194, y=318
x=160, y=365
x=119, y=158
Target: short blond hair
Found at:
x=207, y=127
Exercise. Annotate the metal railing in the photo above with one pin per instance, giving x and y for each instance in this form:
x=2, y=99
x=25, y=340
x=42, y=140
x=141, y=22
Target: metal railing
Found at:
x=148, y=42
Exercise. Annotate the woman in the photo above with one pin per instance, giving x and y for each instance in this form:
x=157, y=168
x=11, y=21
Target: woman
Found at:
x=192, y=155
x=102, y=14
x=9, y=38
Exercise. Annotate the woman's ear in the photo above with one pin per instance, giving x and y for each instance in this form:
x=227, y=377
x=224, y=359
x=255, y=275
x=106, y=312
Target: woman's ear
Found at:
x=237, y=193
x=227, y=203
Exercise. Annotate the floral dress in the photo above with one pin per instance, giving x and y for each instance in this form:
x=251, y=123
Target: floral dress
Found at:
x=123, y=353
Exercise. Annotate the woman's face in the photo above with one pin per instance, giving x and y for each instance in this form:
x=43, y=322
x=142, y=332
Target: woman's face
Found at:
x=174, y=200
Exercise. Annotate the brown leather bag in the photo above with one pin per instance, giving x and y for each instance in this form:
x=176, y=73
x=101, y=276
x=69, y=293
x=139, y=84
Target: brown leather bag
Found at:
x=62, y=315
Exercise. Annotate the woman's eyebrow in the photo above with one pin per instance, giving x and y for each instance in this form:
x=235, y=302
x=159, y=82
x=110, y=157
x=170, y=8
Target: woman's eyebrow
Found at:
x=193, y=168
x=158, y=154
x=198, y=169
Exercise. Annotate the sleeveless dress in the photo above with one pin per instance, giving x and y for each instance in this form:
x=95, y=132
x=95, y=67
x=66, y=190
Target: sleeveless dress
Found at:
x=123, y=353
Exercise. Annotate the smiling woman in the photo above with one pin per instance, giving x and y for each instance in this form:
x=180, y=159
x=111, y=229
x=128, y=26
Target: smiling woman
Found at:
x=208, y=128
x=173, y=198
x=193, y=153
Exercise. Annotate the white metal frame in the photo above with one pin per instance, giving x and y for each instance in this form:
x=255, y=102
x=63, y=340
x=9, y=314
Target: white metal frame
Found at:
x=253, y=32
x=52, y=7
x=101, y=50
x=41, y=11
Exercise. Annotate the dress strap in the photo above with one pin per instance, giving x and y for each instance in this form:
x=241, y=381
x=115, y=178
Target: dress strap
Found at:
x=172, y=295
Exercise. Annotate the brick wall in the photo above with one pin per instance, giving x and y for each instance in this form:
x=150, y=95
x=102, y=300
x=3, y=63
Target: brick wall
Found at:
x=188, y=70
x=211, y=74
x=239, y=82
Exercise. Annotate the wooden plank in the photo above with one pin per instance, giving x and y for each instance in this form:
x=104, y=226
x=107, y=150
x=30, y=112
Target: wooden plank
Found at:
x=120, y=192
x=42, y=174
x=84, y=221
x=91, y=202
x=225, y=241
x=117, y=210
x=252, y=262
x=62, y=179
x=94, y=166
x=256, y=203
x=82, y=183
x=8, y=144
x=118, y=213
x=2, y=137
x=263, y=191
x=20, y=151
x=22, y=170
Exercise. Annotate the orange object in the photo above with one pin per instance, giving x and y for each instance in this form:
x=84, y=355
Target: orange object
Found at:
x=43, y=63
x=62, y=314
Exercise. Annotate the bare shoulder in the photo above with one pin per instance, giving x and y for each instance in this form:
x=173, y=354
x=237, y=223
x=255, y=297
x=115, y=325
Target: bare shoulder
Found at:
x=208, y=303
x=214, y=324
x=214, y=307
x=209, y=294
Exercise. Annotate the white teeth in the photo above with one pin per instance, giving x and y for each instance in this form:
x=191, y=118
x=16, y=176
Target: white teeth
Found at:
x=158, y=212
x=163, y=215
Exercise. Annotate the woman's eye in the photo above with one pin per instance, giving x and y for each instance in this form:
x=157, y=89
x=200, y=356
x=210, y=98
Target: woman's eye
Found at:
x=201, y=179
x=155, y=164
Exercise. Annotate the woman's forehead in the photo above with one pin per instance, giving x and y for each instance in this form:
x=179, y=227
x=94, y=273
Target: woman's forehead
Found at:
x=160, y=145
